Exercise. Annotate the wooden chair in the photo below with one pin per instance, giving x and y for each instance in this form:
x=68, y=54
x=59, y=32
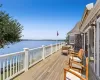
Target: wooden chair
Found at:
x=76, y=65
x=76, y=57
x=65, y=50
x=71, y=74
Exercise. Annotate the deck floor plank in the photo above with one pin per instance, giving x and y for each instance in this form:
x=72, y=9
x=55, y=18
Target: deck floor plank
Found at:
x=50, y=68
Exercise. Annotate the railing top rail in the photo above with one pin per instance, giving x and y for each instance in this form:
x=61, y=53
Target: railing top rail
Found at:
x=16, y=53
x=35, y=48
x=11, y=54
x=54, y=44
x=47, y=45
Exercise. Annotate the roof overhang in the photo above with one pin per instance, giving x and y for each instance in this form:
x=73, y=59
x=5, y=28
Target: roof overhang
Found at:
x=91, y=15
x=86, y=13
x=72, y=34
x=75, y=30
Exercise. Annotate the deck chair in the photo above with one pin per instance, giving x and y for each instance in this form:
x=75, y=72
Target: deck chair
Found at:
x=77, y=57
x=65, y=50
x=76, y=65
x=71, y=74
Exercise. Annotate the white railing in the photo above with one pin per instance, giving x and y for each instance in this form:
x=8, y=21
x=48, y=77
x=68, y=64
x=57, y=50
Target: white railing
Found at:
x=11, y=65
x=15, y=63
x=54, y=48
x=34, y=56
x=47, y=50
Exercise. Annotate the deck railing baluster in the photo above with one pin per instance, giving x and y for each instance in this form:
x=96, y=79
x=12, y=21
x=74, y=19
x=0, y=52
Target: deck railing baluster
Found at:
x=43, y=53
x=13, y=66
x=10, y=66
x=0, y=69
x=7, y=68
x=16, y=64
x=3, y=69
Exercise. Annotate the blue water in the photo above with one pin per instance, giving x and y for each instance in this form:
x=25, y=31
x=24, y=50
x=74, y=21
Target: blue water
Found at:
x=24, y=44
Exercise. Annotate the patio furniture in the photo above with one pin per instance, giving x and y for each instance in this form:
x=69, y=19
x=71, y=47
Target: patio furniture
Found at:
x=76, y=65
x=76, y=57
x=65, y=50
x=71, y=74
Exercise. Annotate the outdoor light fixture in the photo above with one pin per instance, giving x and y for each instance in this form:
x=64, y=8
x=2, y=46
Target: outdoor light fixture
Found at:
x=89, y=6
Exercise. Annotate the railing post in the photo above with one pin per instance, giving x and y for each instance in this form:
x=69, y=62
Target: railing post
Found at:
x=56, y=46
x=59, y=46
x=51, y=48
x=26, y=59
x=43, y=53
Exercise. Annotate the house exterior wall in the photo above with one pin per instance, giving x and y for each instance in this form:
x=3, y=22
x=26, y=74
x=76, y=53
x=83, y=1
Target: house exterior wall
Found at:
x=91, y=38
x=78, y=42
x=94, y=16
x=71, y=39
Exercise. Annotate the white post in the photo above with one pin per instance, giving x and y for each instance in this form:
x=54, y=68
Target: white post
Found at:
x=82, y=40
x=97, y=48
x=94, y=49
x=51, y=48
x=59, y=46
x=26, y=59
x=84, y=44
x=88, y=43
x=56, y=46
x=43, y=53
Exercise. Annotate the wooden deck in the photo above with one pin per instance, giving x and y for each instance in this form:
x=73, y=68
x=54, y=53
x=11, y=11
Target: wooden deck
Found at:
x=50, y=68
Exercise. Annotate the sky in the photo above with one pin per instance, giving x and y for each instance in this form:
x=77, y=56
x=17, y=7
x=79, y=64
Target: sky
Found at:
x=41, y=19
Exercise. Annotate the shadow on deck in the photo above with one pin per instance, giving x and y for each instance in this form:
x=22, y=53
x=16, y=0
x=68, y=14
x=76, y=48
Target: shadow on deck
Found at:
x=50, y=68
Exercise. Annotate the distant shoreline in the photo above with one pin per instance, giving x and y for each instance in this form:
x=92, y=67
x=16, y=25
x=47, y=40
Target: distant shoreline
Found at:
x=41, y=40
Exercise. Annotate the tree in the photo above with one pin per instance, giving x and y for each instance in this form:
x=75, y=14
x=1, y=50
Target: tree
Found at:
x=10, y=29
